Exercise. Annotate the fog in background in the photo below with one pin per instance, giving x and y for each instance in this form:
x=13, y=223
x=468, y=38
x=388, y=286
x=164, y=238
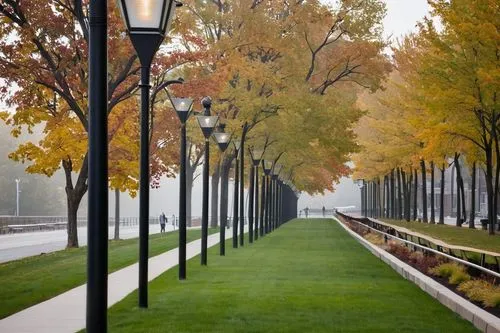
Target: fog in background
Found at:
x=346, y=194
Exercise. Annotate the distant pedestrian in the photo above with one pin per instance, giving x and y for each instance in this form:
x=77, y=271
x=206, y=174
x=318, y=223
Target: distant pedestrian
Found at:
x=324, y=211
x=163, y=220
x=306, y=211
x=300, y=213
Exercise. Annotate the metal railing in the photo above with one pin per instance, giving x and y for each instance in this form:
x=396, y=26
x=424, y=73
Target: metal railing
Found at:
x=439, y=248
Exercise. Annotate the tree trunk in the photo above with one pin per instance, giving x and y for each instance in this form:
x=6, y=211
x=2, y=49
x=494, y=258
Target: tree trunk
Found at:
x=441, y=196
x=490, y=196
x=410, y=188
x=117, y=214
x=379, y=195
x=497, y=170
x=462, y=195
x=74, y=195
x=460, y=189
x=215, y=196
x=473, y=198
x=452, y=185
x=384, y=198
x=393, y=196
x=458, y=222
x=415, y=197
x=433, y=208
x=424, y=192
x=242, y=185
x=400, y=199
x=224, y=189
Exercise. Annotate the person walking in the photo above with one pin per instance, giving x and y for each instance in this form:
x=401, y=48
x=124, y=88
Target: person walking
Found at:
x=324, y=211
x=163, y=219
x=306, y=211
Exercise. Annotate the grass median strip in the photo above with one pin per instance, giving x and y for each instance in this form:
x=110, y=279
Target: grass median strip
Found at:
x=32, y=280
x=460, y=236
x=307, y=276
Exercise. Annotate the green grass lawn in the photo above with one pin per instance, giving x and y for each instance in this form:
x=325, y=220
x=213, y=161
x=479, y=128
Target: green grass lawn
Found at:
x=308, y=276
x=464, y=236
x=32, y=280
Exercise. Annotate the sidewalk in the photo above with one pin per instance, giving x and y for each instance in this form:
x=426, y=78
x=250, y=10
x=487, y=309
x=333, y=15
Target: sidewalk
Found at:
x=67, y=312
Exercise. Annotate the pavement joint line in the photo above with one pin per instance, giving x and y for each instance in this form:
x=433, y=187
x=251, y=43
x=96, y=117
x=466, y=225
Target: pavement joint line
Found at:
x=67, y=312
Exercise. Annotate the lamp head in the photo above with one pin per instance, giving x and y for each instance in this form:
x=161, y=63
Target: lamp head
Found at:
x=267, y=166
x=207, y=124
x=183, y=107
x=223, y=140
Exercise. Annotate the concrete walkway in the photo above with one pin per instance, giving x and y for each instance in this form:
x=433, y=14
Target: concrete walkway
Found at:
x=66, y=312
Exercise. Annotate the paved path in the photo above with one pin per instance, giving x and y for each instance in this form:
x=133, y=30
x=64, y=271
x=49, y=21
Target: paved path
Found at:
x=18, y=246
x=66, y=312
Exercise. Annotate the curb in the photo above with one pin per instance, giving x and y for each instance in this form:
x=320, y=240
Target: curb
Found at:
x=482, y=320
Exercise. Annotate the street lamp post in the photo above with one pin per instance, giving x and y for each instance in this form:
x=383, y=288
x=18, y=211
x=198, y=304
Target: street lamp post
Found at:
x=222, y=140
x=267, y=166
x=262, y=204
x=237, y=146
x=207, y=124
x=242, y=190
x=275, y=174
x=147, y=22
x=97, y=230
x=278, y=211
x=256, y=156
x=183, y=108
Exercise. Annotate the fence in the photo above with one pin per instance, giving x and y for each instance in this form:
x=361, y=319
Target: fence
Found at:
x=10, y=224
x=484, y=261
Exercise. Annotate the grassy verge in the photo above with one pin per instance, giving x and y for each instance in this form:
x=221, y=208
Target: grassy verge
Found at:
x=308, y=276
x=32, y=280
x=475, y=238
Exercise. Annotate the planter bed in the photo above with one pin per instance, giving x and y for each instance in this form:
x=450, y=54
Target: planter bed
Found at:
x=485, y=318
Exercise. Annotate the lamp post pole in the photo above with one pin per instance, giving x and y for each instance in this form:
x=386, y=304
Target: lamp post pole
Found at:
x=242, y=188
x=250, y=203
x=183, y=108
x=207, y=124
x=256, y=202
x=282, y=187
x=97, y=231
x=269, y=202
x=222, y=140
x=144, y=188
x=236, y=193
x=253, y=193
x=204, y=210
x=262, y=204
x=146, y=32
x=273, y=202
x=266, y=203
x=182, y=206
x=278, y=203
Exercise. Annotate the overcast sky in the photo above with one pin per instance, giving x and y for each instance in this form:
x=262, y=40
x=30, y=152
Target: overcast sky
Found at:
x=402, y=15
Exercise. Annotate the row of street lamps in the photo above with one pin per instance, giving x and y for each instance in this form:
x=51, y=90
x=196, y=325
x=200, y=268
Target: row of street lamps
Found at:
x=147, y=23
